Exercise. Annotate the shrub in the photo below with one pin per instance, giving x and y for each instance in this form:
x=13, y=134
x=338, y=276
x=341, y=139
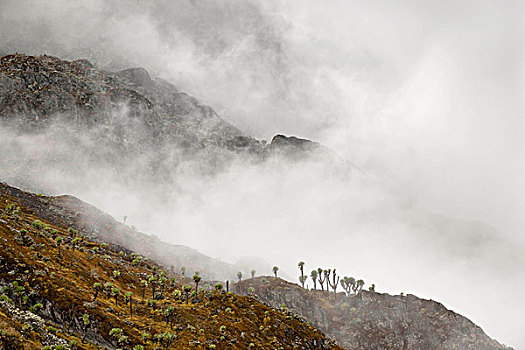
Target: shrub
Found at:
x=97, y=287
x=37, y=224
x=196, y=279
x=76, y=240
x=5, y=298
x=85, y=320
x=115, y=292
x=116, y=333
x=186, y=289
x=165, y=339
x=108, y=286
x=59, y=240
x=52, y=329
x=36, y=307
x=123, y=339
x=19, y=290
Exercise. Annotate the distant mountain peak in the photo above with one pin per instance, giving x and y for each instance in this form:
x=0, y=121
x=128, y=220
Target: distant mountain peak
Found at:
x=35, y=90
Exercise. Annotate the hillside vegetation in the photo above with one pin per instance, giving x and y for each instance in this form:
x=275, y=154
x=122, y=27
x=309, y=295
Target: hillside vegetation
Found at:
x=61, y=290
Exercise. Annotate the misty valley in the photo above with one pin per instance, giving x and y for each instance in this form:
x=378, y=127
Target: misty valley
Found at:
x=250, y=187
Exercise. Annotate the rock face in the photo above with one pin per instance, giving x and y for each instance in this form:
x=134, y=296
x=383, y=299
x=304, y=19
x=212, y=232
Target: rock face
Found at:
x=371, y=320
x=30, y=319
x=42, y=87
x=135, y=111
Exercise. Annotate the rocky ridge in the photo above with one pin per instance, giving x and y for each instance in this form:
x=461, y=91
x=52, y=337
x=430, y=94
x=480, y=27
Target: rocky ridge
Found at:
x=370, y=320
x=36, y=90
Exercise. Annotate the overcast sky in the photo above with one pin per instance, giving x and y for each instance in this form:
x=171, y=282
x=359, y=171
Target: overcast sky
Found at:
x=427, y=96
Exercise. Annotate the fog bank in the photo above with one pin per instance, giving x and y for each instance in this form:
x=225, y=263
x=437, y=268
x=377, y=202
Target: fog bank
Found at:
x=425, y=97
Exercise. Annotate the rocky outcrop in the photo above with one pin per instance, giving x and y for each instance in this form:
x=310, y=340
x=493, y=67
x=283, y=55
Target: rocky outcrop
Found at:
x=371, y=320
x=40, y=88
x=32, y=322
x=135, y=111
x=296, y=148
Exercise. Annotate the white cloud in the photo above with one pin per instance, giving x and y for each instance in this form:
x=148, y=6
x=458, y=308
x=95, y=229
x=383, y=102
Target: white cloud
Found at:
x=425, y=96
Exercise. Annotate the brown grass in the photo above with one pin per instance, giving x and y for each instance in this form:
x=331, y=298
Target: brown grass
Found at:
x=64, y=283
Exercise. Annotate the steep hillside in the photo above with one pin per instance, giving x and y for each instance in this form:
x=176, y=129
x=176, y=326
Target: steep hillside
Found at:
x=370, y=320
x=52, y=280
x=60, y=289
x=98, y=226
x=38, y=88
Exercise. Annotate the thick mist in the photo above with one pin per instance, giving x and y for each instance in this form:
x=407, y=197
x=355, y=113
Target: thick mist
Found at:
x=425, y=97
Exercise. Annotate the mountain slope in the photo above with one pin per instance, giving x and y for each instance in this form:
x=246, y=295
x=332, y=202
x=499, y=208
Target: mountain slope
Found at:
x=122, y=126
x=370, y=320
x=60, y=289
x=367, y=320
x=37, y=90
x=98, y=226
